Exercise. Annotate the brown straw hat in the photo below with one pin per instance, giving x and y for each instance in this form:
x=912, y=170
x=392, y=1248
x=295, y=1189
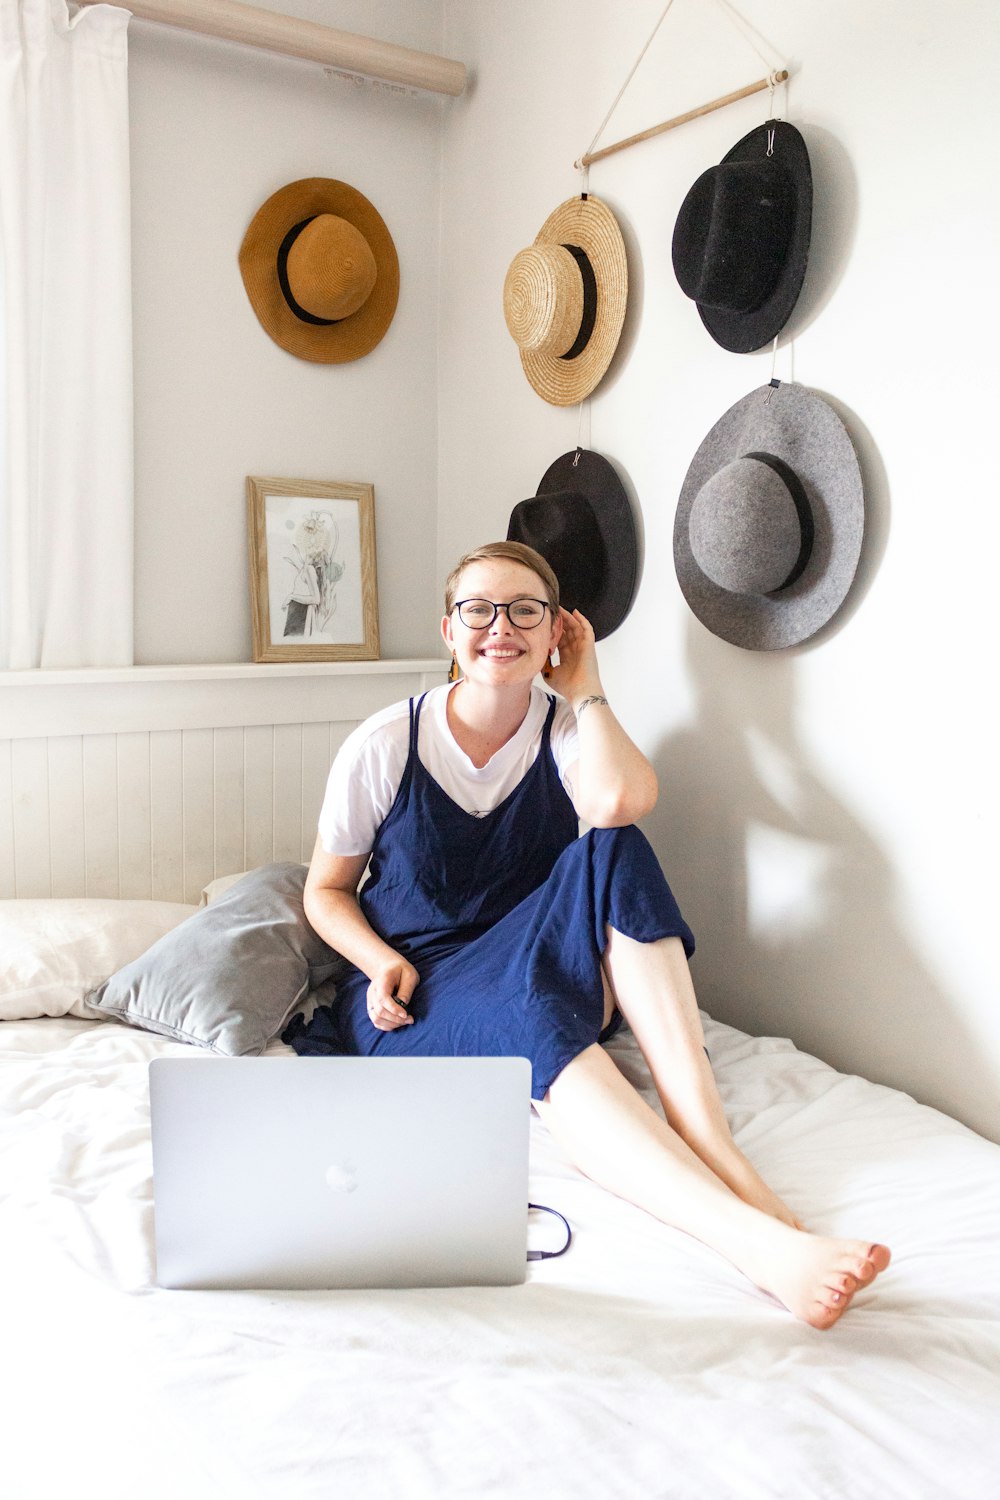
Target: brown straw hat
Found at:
x=321, y=270
x=564, y=300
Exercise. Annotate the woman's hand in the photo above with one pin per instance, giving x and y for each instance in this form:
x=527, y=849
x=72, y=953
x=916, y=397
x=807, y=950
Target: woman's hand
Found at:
x=577, y=675
x=390, y=992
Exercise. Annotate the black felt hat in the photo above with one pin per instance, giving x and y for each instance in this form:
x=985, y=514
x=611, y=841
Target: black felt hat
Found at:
x=581, y=522
x=741, y=240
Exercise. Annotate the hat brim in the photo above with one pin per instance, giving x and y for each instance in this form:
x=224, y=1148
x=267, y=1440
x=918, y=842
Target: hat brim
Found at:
x=797, y=426
x=742, y=333
x=593, y=477
x=350, y=337
x=589, y=224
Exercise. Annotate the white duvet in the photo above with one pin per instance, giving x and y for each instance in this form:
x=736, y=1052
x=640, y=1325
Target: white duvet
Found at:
x=640, y=1364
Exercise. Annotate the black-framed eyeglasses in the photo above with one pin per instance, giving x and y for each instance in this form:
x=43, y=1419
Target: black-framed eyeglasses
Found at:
x=523, y=613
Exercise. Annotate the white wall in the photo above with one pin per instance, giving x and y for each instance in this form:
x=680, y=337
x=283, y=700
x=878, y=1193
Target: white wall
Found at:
x=215, y=129
x=828, y=815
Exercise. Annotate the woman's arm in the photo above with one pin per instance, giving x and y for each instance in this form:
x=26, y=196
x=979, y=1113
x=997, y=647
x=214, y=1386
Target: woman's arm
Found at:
x=612, y=783
x=331, y=905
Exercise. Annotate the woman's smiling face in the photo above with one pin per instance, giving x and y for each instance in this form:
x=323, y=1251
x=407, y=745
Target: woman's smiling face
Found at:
x=500, y=653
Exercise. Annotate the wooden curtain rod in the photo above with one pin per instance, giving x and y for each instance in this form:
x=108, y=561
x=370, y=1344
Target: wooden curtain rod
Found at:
x=692, y=114
x=286, y=34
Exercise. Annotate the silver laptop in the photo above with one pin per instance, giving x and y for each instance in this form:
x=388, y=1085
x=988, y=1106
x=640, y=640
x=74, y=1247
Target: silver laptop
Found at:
x=291, y=1172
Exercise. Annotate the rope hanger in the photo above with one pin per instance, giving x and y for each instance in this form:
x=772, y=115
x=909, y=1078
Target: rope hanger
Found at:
x=775, y=75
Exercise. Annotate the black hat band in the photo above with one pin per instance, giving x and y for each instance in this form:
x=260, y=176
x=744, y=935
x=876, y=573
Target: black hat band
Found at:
x=794, y=487
x=589, y=315
x=286, y=290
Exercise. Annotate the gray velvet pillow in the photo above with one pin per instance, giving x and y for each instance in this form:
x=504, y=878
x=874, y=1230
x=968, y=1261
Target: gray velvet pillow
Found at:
x=230, y=976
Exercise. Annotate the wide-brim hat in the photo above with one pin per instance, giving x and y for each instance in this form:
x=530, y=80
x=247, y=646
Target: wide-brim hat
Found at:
x=741, y=240
x=769, y=525
x=580, y=520
x=564, y=300
x=321, y=270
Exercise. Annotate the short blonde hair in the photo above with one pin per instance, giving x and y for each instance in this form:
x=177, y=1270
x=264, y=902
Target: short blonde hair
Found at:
x=517, y=552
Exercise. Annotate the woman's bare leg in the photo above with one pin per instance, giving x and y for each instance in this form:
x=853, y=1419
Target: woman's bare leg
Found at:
x=615, y=1138
x=651, y=984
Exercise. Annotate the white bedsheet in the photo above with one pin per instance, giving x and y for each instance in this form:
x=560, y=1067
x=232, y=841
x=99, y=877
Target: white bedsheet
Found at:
x=640, y=1364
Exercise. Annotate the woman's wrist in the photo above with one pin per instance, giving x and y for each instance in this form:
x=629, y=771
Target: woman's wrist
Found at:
x=587, y=700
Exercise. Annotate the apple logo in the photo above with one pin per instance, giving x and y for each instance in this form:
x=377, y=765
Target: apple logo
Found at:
x=341, y=1177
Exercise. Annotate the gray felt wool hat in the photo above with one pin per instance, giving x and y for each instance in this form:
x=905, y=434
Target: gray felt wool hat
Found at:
x=741, y=240
x=581, y=522
x=768, y=530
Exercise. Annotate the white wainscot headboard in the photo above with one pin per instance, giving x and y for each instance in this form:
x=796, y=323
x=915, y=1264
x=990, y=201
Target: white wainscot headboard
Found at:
x=148, y=782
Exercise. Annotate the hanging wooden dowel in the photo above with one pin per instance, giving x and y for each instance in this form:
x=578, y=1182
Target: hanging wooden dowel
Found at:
x=254, y=27
x=692, y=114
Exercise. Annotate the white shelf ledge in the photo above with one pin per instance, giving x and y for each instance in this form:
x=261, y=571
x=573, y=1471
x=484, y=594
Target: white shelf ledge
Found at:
x=119, y=700
x=218, y=672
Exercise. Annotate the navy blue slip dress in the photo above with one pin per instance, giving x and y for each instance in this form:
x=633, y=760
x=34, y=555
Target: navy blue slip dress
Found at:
x=504, y=918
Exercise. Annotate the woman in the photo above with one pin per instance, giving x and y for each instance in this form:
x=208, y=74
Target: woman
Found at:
x=487, y=926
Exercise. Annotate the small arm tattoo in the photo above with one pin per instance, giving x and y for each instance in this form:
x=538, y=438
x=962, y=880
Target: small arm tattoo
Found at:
x=586, y=704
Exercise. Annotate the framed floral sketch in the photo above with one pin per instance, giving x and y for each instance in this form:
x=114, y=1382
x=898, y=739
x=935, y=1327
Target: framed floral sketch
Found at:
x=313, y=592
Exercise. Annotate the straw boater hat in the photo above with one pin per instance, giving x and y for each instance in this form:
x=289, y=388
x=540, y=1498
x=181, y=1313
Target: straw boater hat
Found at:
x=581, y=521
x=769, y=524
x=741, y=240
x=321, y=270
x=564, y=300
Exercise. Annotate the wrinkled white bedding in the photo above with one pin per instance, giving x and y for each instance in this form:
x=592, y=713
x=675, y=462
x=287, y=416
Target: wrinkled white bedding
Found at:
x=640, y=1364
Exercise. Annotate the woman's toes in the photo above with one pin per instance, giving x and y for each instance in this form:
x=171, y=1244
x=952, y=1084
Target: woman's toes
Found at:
x=868, y=1266
x=823, y=1315
x=845, y=1284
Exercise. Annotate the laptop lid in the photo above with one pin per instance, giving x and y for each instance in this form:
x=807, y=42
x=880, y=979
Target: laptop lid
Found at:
x=325, y=1172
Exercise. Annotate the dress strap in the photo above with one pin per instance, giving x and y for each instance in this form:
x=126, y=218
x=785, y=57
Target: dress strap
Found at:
x=549, y=717
x=416, y=704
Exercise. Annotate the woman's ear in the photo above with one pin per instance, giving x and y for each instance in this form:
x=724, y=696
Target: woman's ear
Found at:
x=557, y=630
x=447, y=632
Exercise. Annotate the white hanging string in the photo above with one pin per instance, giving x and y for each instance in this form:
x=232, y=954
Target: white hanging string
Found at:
x=581, y=441
x=749, y=32
x=773, y=383
x=775, y=75
x=584, y=170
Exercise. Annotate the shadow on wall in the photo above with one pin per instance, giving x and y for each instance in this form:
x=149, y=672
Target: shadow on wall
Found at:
x=792, y=902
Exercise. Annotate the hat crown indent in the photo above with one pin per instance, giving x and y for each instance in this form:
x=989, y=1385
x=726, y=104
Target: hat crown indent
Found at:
x=331, y=269
x=543, y=299
x=561, y=525
x=732, y=234
x=745, y=529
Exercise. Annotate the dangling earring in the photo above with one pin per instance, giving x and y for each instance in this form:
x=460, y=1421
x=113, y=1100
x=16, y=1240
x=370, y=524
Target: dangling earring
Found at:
x=453, y=672
x=548, y=668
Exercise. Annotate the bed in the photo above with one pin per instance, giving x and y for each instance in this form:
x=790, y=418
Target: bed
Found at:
x=639, y=1363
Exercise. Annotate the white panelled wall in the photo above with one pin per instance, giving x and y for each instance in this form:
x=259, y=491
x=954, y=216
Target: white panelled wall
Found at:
x=149, y=783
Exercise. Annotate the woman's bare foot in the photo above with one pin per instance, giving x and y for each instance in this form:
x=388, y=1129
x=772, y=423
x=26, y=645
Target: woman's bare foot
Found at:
x=815, y=1277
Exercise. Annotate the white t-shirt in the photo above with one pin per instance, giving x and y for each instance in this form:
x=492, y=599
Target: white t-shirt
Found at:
x=368, y=768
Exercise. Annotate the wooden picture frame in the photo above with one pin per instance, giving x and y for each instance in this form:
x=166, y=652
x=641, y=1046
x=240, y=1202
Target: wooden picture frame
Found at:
x=313, y=592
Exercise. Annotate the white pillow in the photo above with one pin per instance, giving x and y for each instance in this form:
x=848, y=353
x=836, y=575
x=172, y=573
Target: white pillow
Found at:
x=52, y=952
x=218, y=887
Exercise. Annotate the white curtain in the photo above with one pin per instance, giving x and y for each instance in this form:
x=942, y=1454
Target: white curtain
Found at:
x=65, y=338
